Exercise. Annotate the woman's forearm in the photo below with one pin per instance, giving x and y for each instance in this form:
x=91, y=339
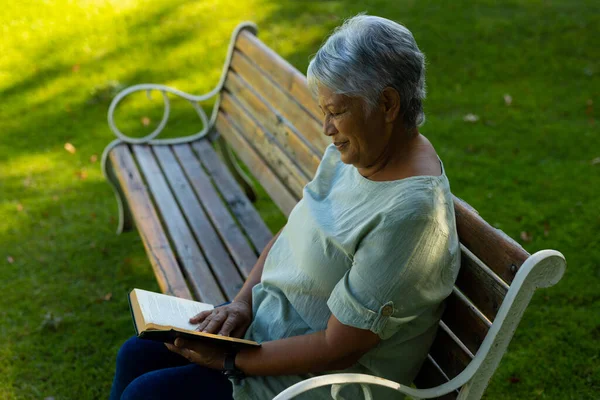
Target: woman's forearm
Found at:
x=335, y=348
x=295, y=355
x=245, y=293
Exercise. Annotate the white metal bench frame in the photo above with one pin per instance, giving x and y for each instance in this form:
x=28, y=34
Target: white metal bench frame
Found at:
x=542, y=269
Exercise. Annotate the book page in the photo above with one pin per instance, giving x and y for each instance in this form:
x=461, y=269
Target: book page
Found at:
x=161, y=309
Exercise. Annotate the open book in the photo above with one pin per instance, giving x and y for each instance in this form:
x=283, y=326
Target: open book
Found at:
x=164, y=318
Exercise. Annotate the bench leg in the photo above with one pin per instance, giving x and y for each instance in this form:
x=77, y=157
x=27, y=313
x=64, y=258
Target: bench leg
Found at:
x=240, y=176
x=125, y=216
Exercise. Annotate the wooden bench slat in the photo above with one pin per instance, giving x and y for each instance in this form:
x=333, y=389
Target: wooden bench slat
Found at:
x=241, y=251
x=249, y=219
x=195, y=266
x=295, y=145
x=277, y=190
x=430, y=376
x=170, y=279
x=280, y=71
x=280, y=101
x=465, y=322
x=215, y=253
x=479, y=283
x=503, y=256
x=448, y=354
x=265, y=145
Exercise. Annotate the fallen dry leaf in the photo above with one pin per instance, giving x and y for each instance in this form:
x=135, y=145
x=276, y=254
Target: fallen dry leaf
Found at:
x=19, y=207
x=108, y=296
x=471, y=118
x=93, y=158
x=595, y=161
x=75, y=68
x=82, y=174
x=10, y=259
x=546, y=228
x=145, y=121
x=70, y=148
x=508, y=99
x=526, y=236
x=589, y=109
x=28, y=181
x=514, y=379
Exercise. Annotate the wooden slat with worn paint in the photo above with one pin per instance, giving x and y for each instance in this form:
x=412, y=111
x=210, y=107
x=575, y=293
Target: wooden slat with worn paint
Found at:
x=465, y=321
x=234, y=197
x=280, y=101
x=281, y=196
x=279, y=70
x=215, y=253
x=264, y=144
x=294, y=144
x=481, y=285
x=170, y=278
x=503, y=256
x=239, y=248
x=448, y=354
x=194, y=265
x=430, y=376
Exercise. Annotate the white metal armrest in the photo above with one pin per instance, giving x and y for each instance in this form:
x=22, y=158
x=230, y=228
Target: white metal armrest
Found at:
x=542, y=269
x=151, y=138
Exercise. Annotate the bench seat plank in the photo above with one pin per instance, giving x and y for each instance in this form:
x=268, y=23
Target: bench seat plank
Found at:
x=240, y=250
x=215, y=253
x=194, y=264
x=170, y=278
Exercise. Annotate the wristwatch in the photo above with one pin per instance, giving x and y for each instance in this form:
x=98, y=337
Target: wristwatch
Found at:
x=230, y=370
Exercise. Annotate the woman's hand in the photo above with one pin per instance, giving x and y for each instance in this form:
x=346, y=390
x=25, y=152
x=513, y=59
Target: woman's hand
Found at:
x=199, y=353
x=229, y=320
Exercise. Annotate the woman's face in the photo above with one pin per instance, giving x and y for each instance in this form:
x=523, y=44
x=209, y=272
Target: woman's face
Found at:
x=360, y=138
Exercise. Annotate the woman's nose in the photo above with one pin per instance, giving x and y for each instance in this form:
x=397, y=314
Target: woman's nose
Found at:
x=329, y=128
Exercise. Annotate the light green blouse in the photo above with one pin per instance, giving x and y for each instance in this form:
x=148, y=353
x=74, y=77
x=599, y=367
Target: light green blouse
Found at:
x=378, y=255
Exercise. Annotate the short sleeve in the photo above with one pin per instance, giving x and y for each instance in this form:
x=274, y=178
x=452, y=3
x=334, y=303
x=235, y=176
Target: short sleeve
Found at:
x=393, y=276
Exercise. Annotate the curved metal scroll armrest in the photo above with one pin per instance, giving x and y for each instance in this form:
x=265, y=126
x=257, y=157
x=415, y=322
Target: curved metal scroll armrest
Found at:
x=542, y=269
x=193, y=99
x=125, y=220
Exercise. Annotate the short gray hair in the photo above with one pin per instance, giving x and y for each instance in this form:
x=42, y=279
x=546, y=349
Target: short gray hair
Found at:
x=367, y=54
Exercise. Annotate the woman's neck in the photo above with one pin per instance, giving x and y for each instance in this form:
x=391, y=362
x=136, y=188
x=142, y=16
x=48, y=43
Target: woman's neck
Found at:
x=395, y=158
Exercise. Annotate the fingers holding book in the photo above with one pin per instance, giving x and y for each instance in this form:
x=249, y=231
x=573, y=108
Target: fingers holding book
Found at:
x=228, y=320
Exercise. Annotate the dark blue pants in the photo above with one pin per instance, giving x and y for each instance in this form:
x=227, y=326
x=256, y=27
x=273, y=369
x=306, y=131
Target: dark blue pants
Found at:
x=148, y=370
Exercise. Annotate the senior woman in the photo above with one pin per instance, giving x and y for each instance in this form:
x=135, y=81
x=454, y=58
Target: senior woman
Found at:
x=356, y=279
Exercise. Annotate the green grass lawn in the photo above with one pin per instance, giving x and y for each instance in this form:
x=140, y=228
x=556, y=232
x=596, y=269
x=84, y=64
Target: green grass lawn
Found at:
x=527, y=166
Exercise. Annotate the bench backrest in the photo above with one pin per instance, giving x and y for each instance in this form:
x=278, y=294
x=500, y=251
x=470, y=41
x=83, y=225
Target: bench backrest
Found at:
x=268, y=116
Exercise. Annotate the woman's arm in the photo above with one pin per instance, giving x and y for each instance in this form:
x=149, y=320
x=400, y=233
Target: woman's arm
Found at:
x=338, y=347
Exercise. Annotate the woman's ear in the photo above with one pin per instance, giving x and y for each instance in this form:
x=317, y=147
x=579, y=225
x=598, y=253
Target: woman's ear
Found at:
x=390, y=103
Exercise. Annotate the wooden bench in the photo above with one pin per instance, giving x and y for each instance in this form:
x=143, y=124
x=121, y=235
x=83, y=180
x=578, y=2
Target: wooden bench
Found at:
x=193, y=210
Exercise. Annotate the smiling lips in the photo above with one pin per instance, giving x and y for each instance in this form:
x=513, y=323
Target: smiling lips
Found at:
x=339, y=144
